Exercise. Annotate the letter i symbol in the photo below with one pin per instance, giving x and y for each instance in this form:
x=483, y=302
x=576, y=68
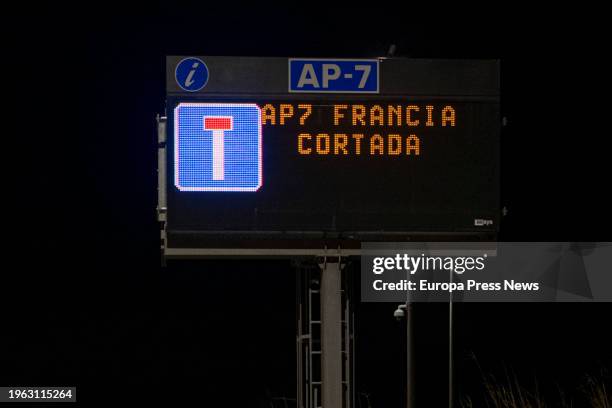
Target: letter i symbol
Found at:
x=189, y=81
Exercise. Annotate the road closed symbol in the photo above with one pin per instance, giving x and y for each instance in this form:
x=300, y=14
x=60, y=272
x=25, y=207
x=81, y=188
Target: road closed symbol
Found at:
x=217, y=147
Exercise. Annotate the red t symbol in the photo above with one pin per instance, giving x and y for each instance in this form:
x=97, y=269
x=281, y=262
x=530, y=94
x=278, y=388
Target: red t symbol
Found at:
x=218, y=124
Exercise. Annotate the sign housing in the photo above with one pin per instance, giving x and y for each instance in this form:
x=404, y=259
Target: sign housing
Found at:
x=415, y=153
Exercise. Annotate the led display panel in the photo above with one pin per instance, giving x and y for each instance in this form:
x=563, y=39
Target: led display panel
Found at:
x=342, y=165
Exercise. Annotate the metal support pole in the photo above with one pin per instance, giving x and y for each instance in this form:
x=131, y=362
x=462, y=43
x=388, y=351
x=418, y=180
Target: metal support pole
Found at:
x=299, y=338
x=450, y=346
x=331, y=335
x=410, y=366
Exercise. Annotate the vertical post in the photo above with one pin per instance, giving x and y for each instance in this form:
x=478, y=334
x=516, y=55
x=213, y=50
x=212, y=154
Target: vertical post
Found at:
x=410, y=366
x=450, y=346
x=218, y=155
x=298, y=348
x=331, y=335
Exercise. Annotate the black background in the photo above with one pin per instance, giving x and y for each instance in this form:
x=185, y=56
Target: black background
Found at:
x=86, y=303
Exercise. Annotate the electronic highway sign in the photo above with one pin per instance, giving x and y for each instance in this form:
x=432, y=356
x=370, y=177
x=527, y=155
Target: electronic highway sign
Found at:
x=290, y=150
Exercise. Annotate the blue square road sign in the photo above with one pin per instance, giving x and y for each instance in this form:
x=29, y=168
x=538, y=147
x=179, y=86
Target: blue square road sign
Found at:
x=217, y=147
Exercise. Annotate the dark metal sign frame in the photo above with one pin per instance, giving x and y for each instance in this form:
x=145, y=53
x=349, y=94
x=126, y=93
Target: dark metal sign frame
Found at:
x=249, y=79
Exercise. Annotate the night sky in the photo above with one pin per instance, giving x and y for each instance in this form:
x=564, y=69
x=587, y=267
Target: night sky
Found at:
x=86, y=302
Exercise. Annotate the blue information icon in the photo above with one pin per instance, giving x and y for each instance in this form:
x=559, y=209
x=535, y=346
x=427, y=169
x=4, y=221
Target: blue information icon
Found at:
x=191, y=74
x=217, y=147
